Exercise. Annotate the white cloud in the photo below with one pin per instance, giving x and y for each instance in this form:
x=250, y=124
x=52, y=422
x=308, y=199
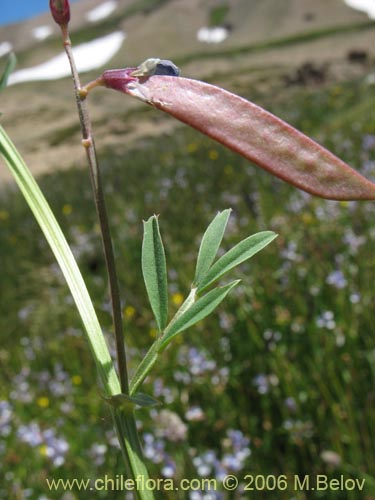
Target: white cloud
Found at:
x=88, y=56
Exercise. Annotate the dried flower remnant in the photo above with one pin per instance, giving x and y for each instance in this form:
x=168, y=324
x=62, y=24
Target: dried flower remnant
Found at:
x=155, y=66
x=119, y=79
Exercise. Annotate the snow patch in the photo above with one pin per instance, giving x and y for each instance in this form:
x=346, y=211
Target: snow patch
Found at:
x=42, y=32
x=5, y=48
x=102, y=11
x=367, y=6
x=216, y=34
x=88, y=56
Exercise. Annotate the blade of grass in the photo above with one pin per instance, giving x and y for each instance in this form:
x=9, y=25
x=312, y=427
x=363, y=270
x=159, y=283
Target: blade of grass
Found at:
x=125, y=424
x=65, y=258
x=9, y=67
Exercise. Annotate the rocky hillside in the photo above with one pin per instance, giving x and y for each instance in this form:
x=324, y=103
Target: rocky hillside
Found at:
x=261, y=46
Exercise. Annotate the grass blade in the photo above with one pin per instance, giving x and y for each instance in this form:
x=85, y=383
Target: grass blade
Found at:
x=236, y=255
x=198, y=311
x=65, y=258
x=154, y=270
x=210, y=245
x=9, y=67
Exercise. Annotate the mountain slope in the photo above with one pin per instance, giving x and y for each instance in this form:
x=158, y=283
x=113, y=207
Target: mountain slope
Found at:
x=268, y=41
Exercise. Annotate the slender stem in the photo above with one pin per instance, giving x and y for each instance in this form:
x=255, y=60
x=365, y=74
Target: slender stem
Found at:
x=125, y=424
x=144, y=367
x=156, y=348
x=88, y=143
x=127, y=435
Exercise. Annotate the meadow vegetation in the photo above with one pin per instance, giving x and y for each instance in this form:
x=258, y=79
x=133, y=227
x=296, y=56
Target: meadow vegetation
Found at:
x=279, y=381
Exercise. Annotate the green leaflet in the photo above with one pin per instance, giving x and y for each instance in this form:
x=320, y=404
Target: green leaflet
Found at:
x=155, y=271
x=198, y=311
x=210, y=245
x=236, y=255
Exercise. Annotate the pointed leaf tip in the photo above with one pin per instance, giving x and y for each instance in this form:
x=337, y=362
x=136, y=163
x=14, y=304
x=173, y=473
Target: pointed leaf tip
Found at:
x=210, y=244
x=241, y=252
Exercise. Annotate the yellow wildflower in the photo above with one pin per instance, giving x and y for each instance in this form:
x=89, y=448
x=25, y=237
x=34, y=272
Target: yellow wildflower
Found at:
x=43, y=402
x=129, y=312
x=177, y=299
x=213, y=154
x=153, y=333
x=43, y=450
x=192, y=147
x=67, y=209
x=76, y=380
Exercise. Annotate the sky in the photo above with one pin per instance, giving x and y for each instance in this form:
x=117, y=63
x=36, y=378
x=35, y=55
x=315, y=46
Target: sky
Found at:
x=15, y=10
x=12, y=11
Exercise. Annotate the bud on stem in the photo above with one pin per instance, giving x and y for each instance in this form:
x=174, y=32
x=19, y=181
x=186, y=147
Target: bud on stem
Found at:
x=118, y=79
x=60, y=11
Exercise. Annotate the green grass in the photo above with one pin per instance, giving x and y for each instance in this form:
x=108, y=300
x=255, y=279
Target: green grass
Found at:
x=279, y=370
x=218, y=15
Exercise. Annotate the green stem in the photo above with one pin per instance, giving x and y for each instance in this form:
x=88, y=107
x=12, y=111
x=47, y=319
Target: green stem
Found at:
x=127, y=434
x=144, y=367
x=188, y=302
x=59, y=246
x=125, y=424
x=88, y=143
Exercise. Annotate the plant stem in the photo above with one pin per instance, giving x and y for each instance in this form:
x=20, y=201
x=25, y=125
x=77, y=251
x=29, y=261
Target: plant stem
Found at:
x=88, y=143
x=127, y=434
x=125, y=424
x=150, y=358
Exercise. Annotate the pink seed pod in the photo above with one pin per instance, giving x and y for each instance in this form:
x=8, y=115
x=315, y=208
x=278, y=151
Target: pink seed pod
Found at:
x=252, y=132
x=60, y=10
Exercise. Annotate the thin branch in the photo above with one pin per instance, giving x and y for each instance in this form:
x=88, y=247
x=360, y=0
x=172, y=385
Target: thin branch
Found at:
x=89, y=145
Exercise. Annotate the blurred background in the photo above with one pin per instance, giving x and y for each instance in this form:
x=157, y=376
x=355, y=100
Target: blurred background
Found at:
x=281, y=379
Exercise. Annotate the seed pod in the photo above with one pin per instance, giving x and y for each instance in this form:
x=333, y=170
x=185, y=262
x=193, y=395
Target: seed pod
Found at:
x=254, y=133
